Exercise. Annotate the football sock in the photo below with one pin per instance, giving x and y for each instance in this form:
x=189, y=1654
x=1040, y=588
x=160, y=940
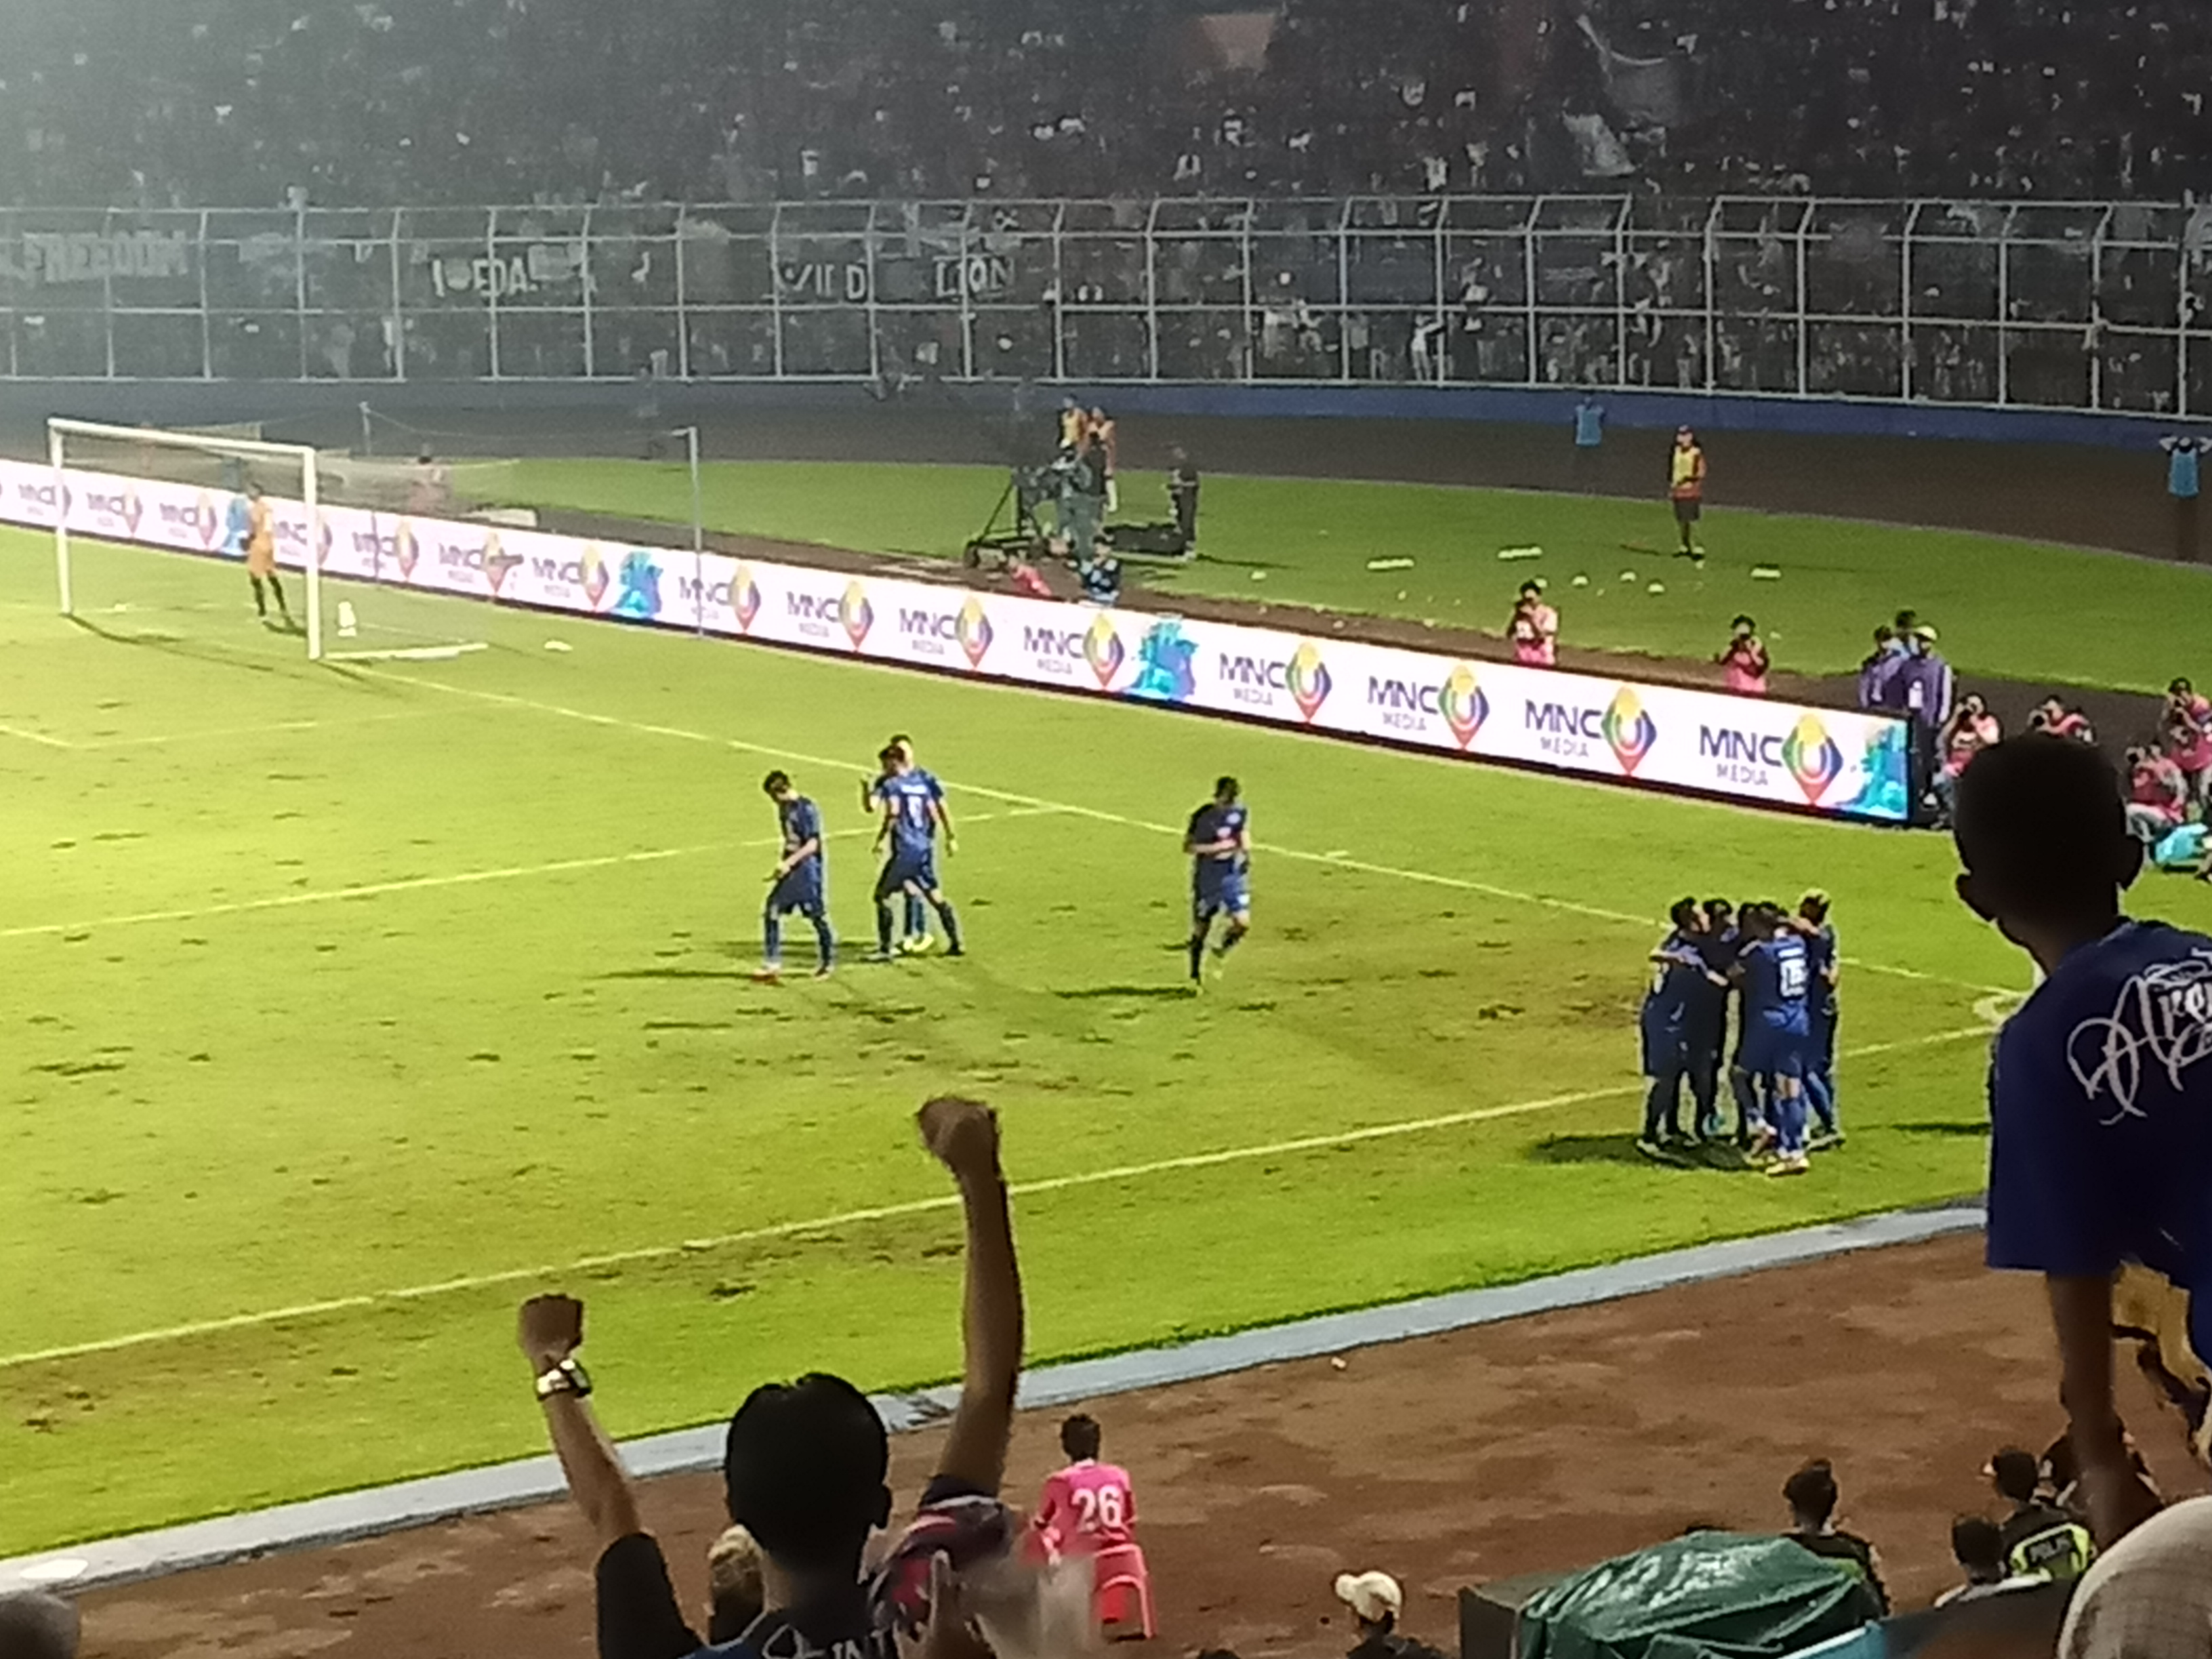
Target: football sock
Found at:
x=825, y=939
x=917, y=920
x=1230, y=939
x=1197, y=954
x=884, y=926
x=260, y=598
x=772, y=940
x=950, y=918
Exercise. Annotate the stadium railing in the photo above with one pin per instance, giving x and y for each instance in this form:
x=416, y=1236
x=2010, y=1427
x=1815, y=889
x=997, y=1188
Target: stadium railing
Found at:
x=2092, y=306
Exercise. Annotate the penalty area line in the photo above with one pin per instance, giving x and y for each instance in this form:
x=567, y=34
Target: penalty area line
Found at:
x=1459, y=884
x=1122, y=1173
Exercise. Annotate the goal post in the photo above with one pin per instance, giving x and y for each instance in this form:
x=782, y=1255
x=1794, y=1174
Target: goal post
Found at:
x=185, y=491
x=60, y=429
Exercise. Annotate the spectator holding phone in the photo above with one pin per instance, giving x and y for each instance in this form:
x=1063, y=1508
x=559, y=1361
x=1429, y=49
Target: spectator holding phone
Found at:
x=804, y=1462
x=1534, y=628
x=2187, y=731
x=1744, y=660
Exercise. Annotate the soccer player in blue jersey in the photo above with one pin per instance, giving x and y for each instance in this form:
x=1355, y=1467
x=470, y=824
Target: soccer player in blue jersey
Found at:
x=1820, y=1007
x=799, y=882
x=1776, y=975
x=914, y=814
x=917, y=938
x=1707, y=1026
x=1219, y=843
x=1678, y=971
x=2100, y=1091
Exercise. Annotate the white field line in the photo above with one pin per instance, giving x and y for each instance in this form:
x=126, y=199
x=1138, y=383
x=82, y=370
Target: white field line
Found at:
x=38, y=738
x=557, y=1272
x=1459, y=884
x=456, y=878
x=264, y=728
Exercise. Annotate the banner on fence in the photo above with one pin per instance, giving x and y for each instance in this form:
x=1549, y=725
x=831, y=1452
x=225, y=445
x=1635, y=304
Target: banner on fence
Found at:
x=1830, y=760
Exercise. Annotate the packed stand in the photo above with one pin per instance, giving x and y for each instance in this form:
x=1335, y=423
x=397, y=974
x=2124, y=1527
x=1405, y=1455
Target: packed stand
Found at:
x=243, y=102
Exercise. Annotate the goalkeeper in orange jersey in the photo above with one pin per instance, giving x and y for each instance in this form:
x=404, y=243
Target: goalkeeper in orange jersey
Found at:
x=261, y=554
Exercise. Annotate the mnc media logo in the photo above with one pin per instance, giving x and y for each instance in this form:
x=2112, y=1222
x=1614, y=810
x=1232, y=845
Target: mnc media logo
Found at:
x=973, y=630
x=1812, y=757
x=1103, y=651
x=1462, y=704
x=855, y=614
x=207, y=522
x=1629, y=732
x=116, y=506
x=1307, y=679
x=745, y=597
x=498, y=564
x=593, y=576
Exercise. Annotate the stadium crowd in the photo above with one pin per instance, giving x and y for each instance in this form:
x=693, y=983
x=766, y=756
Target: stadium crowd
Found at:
x=242, y=102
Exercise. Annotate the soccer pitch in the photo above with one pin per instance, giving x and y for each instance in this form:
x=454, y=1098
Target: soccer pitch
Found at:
x=349, y=1005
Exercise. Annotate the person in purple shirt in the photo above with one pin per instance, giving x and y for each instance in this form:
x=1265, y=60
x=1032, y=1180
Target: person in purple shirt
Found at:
x=2100, y=1089
x=1878, y=670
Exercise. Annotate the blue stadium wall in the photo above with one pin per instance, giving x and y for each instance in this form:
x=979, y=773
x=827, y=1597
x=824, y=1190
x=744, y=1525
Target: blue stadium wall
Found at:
x=200, y=403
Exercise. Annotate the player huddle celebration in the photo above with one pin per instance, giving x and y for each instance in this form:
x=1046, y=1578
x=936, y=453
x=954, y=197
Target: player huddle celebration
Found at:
x=1780, y=971
x=909, y=803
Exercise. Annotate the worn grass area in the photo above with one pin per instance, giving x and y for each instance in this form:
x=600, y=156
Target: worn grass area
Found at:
x=2015, y=609
x=351, y=1005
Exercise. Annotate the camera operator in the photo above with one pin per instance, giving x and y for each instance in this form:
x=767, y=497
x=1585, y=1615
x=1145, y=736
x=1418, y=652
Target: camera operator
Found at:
x=1083, y=500
x=1183, y=494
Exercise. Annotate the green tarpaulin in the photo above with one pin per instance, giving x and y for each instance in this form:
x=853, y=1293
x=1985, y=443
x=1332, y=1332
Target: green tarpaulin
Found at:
x=1712, y=1594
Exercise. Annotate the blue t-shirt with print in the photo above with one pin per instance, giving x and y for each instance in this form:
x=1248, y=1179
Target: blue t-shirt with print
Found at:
x=2100, y=1101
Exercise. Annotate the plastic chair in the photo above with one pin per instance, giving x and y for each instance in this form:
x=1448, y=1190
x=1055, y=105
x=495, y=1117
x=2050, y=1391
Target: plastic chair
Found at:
x=1120, y=1573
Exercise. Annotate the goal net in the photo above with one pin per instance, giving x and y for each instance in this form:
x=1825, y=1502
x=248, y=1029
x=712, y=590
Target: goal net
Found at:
x=278, y=559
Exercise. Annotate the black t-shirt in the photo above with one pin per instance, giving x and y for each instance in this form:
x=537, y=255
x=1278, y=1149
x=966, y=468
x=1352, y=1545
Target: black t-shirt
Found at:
x=639, y=1617
x=1391, y=1645
x=1849, y=1548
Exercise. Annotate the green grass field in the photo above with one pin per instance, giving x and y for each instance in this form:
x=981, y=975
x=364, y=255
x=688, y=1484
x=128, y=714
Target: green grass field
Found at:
x=351, y=1005
x=2020, y=610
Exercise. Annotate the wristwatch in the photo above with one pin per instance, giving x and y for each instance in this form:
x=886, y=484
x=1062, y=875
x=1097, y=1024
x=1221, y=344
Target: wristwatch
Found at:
x=567, y=1377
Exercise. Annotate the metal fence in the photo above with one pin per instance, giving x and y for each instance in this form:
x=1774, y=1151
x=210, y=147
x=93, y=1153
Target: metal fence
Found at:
x=2081, y=305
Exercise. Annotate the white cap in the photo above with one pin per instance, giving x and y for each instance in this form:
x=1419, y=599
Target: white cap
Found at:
x=1373, y=1595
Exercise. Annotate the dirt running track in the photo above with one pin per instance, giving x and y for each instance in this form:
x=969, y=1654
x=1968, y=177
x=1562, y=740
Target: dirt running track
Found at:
x=1543, y=1442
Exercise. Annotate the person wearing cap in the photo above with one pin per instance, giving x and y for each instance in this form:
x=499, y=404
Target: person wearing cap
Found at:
x=1534, y=628
x=1376, y=1604
x=1686, y=488
x=37, y=1625
x=2038, y=1537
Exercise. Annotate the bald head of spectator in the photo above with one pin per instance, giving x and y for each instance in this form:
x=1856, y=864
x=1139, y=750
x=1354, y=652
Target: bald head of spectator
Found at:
x=36, y=1625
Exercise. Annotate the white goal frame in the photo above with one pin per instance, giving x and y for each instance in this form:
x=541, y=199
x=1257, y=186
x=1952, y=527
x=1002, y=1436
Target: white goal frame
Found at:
x=60, y=429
